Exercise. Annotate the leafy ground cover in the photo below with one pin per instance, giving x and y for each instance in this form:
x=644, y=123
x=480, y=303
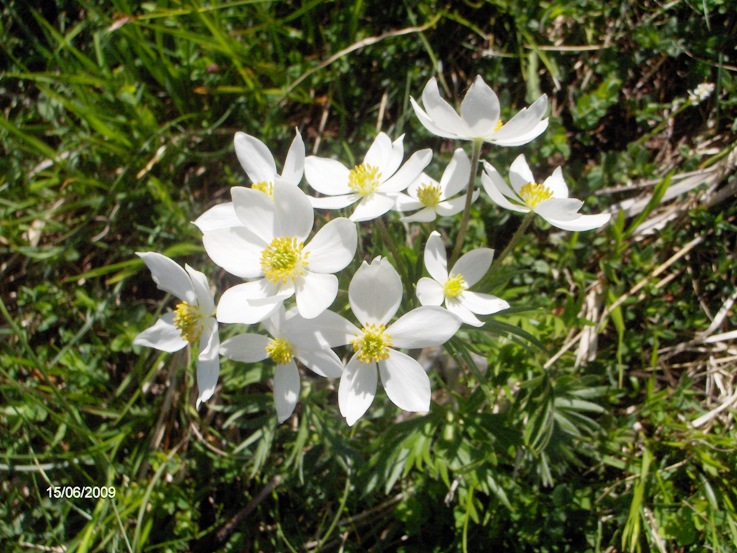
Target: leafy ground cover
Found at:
x=597, y=414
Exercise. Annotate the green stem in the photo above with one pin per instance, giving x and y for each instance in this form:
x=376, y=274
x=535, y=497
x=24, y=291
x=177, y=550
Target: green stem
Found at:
x=389, y=242
x=515, y=238
x=475, y=156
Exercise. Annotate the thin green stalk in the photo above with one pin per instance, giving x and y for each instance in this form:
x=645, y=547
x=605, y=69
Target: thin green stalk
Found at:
x=515, y=238
x=475, y=156
x=389, y=241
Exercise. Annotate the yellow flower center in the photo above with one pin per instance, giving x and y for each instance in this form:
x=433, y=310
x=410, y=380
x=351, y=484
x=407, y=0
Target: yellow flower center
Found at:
x=499, y=125
x=283, y=260
x=429, y=194
x=265, y=187
x=533, y=193
x=372, y=344
x=454, y=286
x=188, y=319
x=280, y=351
x=364, y=179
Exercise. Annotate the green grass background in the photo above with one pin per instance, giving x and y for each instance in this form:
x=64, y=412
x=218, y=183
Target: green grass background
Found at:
x=116, y=132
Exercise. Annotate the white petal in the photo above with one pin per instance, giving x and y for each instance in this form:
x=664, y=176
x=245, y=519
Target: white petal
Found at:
x=208, y=371
x=426, y=215
x=334, y=202
x=441, y=112
x=294, y=166
x=256, y=211
x=327, y=330
x=473, y=265
x=247, y=348
x=520, y=173
x=561, y=209
x=294, y=213
x=324, y=362
x=480, y=108
x=375, y=292
x=454, y=205
x=202, y=290
x=463, y=313
x=357, y=389
x=492, y=189
x=526, y=125
x=163, y=335
x=315, y=292
x=408, y=173
x=327, y=176
x=429, y=292
x=483, y=304
x=406, y=382
x=372, y=206
x=236, y=250
x=169, y=276
x=403, y=202
x=286, y=390
x=217, y=217
x=236, y=305
x=498, y=181
x=456, y=175
x=379, y=154
x=333, y=247
x=209, y=341
x=274, y=325
x=431, y=126
x=557, y=184
x=436, y=261
x=423, y=327
x=254, y=157
x=584, y=222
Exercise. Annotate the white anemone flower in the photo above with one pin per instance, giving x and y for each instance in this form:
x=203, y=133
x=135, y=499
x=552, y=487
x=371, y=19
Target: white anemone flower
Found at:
x=292, y=338
x=258, y=163
x=270, y=246
x=374, y=183
x=192, y=322
x=375, y=293
x=453, y=288
x=549, y=200
x=433, y=198
x=479, y=119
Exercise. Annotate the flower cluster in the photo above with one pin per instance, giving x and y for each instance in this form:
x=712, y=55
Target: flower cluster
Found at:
x=267, y=236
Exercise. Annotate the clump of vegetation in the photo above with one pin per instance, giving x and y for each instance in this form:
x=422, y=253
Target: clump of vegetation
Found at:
x=596, y=414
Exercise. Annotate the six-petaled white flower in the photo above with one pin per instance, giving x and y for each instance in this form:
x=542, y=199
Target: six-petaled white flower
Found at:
x=433, y=198
x=480, y=117
x=192, y=322
x=453, y=288
x=549, y=200
x=258, y=163
x=374, y=294
x=293, y=337
x=374, y=183
x=270, y=246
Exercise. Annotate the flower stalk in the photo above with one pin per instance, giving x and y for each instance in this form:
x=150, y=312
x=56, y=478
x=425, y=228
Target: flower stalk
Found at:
x=475, y=157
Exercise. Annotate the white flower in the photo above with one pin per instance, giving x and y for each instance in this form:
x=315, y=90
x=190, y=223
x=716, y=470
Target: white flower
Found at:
x=375, y=293
x=701, y=93
x=292, y=338
x=549, y=200
x=374, y=184
x=434, y=198
x=480, y=116
x=269, y=245
x=453, y=289
x=192, y=322
x=259, y=165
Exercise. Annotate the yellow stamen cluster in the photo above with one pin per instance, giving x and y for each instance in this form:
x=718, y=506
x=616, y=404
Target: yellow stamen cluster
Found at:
x=280, y=351
x=429, y=194
x=283, y=260
x=499, y=125
x=533, y=193
x=364, y=179
x=265, y=187
x=454, y=286
x=372, y=344
x=188, y=319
